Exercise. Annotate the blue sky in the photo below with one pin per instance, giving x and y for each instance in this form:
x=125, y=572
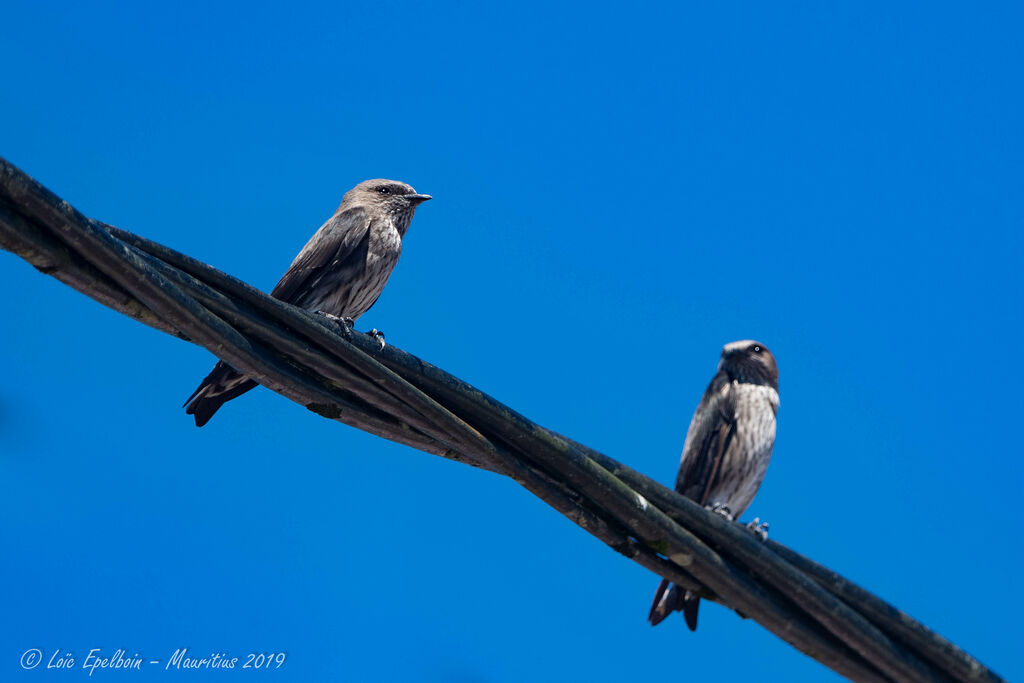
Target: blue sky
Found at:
x=618, y=192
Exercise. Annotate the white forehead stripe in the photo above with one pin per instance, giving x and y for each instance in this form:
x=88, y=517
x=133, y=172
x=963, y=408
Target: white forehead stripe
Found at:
x=738, y=345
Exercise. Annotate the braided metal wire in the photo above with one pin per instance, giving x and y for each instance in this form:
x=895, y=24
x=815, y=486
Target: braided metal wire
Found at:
x=345, y=376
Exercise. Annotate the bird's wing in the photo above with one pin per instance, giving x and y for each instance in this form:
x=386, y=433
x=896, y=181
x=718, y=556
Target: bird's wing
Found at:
x=339, y=245
x=708, y=440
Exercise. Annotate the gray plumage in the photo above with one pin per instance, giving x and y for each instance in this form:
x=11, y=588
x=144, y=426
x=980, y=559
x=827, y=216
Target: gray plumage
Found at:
x=341, y=271
x=727, y=449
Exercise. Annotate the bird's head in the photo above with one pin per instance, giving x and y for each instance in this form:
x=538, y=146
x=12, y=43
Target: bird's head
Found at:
x=750, y=361
x=387, y=196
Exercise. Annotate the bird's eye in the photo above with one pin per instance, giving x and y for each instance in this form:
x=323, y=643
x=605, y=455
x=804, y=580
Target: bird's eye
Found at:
x=383, y=189
x=757, y=349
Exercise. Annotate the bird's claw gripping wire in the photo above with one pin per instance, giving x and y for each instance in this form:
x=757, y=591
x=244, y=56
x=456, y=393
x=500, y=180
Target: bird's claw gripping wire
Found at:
x=339, y=319
x=378, y=335
x=758, y=527
x=722, y=510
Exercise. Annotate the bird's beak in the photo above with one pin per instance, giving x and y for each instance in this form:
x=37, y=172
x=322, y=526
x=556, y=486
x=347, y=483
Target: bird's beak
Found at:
x=417, y=198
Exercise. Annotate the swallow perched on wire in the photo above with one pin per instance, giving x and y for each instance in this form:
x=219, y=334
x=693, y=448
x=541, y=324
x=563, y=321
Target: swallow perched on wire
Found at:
x=727, y=450
x=340, y=272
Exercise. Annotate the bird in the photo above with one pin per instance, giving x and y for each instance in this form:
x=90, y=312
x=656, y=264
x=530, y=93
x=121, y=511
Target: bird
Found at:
x=339, y=273
x=726, y=452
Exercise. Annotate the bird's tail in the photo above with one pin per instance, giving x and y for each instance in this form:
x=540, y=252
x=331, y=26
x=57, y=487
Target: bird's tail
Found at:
x=671, y=598
x=691, y=603
x=220, y=386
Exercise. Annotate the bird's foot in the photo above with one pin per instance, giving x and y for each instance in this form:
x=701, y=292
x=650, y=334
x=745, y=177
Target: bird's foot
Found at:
x=378, y=335
x=758, y=527
x=340, y=319
x=722, y=510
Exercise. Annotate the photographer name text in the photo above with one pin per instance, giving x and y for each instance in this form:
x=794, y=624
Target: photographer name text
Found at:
x=121, y=660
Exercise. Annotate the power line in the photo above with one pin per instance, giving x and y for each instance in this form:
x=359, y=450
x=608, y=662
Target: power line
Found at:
x=344, y=375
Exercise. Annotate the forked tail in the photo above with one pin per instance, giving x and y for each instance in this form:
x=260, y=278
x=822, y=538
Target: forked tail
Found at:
x=671, y=598
x=220, y=386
